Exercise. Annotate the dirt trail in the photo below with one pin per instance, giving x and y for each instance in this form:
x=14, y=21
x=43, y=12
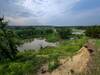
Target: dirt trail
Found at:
x=77, y=64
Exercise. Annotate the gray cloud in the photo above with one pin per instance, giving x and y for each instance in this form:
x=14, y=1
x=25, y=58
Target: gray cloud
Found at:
x=50, y=12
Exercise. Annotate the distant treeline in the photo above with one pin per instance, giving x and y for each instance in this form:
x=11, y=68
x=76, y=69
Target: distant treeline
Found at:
x=54, y=33
x=33, y=33
x=27, y=32
x=46, y=27
x=93, y=31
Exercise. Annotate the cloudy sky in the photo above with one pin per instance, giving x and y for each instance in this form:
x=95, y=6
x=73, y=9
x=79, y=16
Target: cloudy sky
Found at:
x=51, y=12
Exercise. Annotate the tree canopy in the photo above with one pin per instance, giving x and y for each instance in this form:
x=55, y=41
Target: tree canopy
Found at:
x=93, y=32
x=8, y=41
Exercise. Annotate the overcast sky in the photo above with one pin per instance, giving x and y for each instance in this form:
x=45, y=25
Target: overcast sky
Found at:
x=51, y=12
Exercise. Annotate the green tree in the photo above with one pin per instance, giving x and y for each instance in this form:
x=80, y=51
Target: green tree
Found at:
x=93, y=32
x=64, y=33
x=8, y=41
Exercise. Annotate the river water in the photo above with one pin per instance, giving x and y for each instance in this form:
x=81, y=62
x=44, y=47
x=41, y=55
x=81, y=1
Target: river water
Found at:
x=36, y=44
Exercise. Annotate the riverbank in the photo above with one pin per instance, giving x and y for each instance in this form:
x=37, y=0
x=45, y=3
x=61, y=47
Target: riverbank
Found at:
x=29, y=62
x=78, y=64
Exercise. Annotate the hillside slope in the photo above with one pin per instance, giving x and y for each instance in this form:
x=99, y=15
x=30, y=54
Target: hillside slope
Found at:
x=77, y=64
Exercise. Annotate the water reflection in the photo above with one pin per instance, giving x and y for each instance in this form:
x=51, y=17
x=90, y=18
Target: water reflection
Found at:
x=36, y=44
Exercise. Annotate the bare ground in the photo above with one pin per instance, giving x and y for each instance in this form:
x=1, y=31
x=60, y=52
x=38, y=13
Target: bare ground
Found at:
x=70, y=66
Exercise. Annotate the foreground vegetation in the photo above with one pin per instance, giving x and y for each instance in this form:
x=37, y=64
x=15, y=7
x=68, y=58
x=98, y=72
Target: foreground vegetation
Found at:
x=29, y=62
x=8, y=42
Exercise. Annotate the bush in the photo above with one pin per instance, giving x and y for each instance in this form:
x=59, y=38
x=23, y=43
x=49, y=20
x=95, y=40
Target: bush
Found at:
x=53, y=61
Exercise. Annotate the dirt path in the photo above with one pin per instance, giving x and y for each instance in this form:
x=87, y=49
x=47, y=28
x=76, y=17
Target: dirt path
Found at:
x=77, y=64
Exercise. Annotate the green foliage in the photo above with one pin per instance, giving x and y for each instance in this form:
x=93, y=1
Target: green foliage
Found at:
x=53, y=61
x=54, y=37
x=8, y=42
x=33, y=33
x=93, y=32
x=64, y=33
x=65, y=48
x=97, y=42
x=51, y=34
x=29, y=62
x=26, y=63
x=52, y=66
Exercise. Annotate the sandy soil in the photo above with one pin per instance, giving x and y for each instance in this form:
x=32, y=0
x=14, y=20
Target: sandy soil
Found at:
x=77, y=64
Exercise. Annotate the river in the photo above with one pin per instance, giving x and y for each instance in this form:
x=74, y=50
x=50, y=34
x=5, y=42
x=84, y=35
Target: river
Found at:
x=36, y=44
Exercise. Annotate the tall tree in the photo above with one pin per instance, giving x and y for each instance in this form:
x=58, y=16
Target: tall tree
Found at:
x=8, y=41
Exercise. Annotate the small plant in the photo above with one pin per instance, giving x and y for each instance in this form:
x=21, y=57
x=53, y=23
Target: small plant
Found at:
x=53, y=62
x=52, y=66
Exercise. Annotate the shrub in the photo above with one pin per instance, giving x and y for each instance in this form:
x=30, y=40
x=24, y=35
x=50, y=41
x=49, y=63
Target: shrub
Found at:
x=53, y=61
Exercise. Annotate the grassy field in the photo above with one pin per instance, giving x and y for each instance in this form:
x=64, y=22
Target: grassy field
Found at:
x=27, y=63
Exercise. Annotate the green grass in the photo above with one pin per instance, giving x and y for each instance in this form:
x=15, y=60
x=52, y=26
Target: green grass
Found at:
x=98, y=42
x=27, y=63
x=54, y=37
x=65, y=47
